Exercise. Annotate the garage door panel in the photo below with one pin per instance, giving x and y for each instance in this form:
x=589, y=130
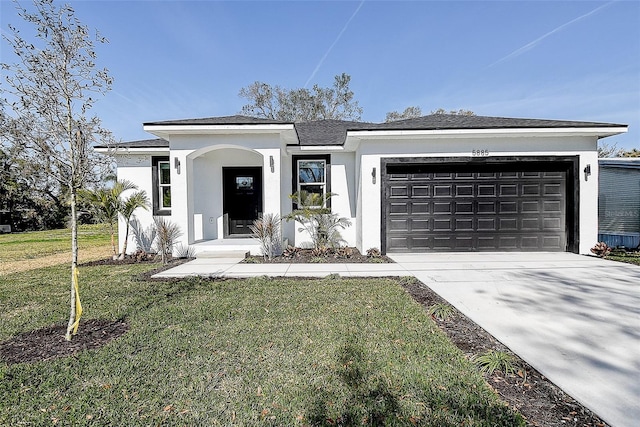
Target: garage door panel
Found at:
x=399, y=191
x=464, y=190
x=552, y=190
x=442, y=207
x=487, y=190
x=464, y=207
x=442, y=224
x=420, y=208
x=461, y=210
x=420, y=224
x=418, y=191
x=507, y=190
x=442, y=190
x=531, y=189
x=464, y=224
x=530, y=224
x=508, y=207
x=487, y=224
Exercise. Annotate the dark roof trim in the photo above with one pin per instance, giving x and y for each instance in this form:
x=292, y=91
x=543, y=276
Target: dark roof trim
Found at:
x=620, y=162
x=225, y=120
x=144, y=143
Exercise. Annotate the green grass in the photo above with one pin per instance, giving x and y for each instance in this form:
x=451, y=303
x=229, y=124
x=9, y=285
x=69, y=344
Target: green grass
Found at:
x=240, y=352
x=630, y=258
x=34, y=244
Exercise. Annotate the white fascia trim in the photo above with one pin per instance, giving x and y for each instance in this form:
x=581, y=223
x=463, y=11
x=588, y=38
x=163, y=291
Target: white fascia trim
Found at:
x=314, y=148
x=167, y=129
x=471, y=133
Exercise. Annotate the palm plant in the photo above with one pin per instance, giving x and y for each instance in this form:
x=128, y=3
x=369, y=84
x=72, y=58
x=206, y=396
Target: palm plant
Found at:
x=317, y=219
x=127, y=206
x=106, y=205
x=267, y=231
x=167, y=233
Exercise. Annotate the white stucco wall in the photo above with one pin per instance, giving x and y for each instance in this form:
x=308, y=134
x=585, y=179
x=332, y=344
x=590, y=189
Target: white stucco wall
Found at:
x=137, y=169
x=369, y=216
x=197, y=189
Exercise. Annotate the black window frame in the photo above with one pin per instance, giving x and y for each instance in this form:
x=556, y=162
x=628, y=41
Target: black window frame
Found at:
x=157, y=210
x=295, y=176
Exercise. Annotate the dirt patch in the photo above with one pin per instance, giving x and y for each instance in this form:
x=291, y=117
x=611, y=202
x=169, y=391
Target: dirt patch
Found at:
x=49, y=343
x=540, y=401
x=85, y=255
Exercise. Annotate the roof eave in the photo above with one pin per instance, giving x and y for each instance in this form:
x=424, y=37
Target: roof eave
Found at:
x=599, y=132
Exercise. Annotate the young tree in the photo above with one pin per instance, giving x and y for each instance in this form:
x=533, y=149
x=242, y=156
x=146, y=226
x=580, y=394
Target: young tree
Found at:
x=275, y=102
x=45, y=107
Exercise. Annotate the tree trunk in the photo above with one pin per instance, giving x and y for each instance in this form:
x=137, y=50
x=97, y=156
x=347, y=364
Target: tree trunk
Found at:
x=126, y=239
x=113, y=240
x=74, y=264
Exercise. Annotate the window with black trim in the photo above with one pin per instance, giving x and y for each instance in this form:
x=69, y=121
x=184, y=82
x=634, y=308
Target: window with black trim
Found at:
x=311, y=175
x=161, y=170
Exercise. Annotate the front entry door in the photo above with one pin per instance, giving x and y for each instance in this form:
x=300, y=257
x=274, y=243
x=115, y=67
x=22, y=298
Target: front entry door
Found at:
x=242, y=198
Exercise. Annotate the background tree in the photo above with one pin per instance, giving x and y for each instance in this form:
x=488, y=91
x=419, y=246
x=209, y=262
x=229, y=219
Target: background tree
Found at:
x=46, y=104
x=606, y=149
x=460, y=112
x=408, y=113
x=277, y=103
x=634, y=152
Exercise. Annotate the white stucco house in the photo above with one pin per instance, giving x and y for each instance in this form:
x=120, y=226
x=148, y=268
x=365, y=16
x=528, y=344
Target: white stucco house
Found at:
x=434, y=183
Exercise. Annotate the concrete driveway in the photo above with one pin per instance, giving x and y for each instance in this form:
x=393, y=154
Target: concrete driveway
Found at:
x=575, y=318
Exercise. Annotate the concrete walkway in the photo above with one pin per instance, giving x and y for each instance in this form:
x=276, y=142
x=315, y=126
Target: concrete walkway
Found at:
x=574, y=318
x=231, y=267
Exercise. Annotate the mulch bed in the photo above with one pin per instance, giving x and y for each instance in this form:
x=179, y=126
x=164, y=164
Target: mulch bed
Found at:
x=348, y=255
x=540, y=401
x=49, y=343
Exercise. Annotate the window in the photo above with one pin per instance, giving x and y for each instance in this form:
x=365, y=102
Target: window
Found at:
x=164, y=185
x=161, y=170
x=311, y=175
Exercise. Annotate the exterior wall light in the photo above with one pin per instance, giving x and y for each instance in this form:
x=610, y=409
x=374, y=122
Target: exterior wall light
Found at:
x=272, y=164
x=176, y=164
x=373, y=175
x=587, y=172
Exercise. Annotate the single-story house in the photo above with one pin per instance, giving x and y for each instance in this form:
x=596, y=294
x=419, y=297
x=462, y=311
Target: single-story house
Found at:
x=433, y=183
x=619, y=202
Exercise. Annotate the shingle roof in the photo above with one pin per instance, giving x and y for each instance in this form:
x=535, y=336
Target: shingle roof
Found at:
x=327, y=132
x=454, y=121
x=333, y=132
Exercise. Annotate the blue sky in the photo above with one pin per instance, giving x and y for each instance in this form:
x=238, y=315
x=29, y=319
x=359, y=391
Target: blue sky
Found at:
x=574, y=60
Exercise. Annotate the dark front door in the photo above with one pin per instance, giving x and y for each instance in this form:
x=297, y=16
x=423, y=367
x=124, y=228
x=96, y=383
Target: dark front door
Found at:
x=242, y=198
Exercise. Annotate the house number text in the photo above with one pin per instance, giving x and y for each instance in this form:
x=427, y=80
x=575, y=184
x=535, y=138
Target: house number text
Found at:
x=480, y=153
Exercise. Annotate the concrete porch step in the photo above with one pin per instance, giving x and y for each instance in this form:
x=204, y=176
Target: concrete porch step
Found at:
x=238, y=253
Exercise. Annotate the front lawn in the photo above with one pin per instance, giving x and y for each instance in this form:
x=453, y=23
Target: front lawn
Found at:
x=239, y=352
x=628, y=257
x=35, y=244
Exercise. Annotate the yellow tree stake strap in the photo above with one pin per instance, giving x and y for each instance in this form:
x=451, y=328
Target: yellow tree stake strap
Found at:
x=78, y=305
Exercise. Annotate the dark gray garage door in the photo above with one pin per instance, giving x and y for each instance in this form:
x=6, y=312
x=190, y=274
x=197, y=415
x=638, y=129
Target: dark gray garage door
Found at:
x=497, y=207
